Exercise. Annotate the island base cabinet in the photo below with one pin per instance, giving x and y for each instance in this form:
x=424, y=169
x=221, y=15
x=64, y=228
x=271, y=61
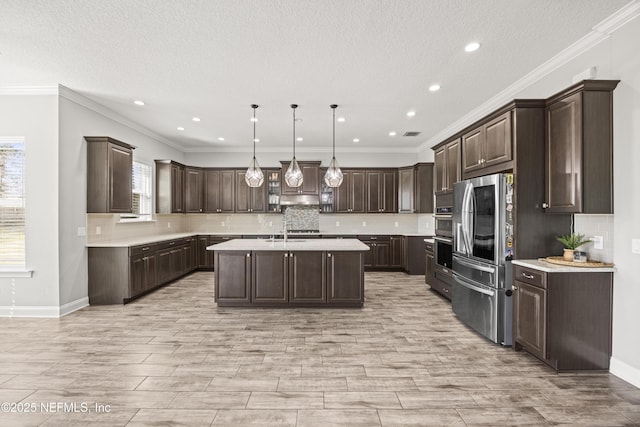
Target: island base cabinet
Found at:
x=564, y=318
x=289, y=279
x=269, y=277
x=233, y=278
x=307, y=283
x=345, y=278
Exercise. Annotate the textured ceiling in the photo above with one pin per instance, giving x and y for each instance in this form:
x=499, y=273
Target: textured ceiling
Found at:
x=212, y=59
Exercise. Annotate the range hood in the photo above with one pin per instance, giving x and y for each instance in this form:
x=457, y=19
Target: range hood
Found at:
x=299, y=200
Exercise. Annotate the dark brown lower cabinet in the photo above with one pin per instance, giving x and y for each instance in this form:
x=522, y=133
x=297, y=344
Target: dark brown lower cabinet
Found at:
x=414, y=257
x=233, y=277
x=269, y=277
x=428, y=262
x=345, y=278
x=385, y=252
x=281, y=278
x=307, y=281
x=564, y=318
x=396, y=252
x=118, y=275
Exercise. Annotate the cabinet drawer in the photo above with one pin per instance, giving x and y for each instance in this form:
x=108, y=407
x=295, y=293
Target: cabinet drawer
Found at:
x=530, y=276
x=428, y=247
x=441, y=287
x=377, y=237
x=142, y=249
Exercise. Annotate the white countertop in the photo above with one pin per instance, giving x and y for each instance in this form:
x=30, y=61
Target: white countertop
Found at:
x=147, y=240
x=430, y=241
x=135, y=241
x=557, y=268
x=293, y=244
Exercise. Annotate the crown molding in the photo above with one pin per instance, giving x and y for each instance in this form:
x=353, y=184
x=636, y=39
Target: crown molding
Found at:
x=598, y=34
x=29, y=90
x=96, y=107
x=363, y=149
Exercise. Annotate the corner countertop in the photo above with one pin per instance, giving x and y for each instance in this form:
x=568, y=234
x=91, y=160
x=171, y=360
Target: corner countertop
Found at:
x=293, y=244
x=556, y=268
x=135, y=241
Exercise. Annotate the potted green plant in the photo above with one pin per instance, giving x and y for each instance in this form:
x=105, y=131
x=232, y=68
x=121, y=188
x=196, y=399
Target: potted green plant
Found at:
x=571, y=242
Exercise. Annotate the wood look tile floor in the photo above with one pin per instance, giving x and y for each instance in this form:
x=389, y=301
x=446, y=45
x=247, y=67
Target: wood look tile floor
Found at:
x=175, y=358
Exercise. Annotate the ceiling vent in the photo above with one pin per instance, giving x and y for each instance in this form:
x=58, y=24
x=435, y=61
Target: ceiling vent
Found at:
x=411, y=133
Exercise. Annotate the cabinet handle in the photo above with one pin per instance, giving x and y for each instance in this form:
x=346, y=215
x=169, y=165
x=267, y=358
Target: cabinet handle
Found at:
x=446, y=291
x=145, y=249
x=528, y=276
x=328, y=254
x=479, y=161
x=249, y=255
x=286, y=255
x=545, y=205
x=515, y=288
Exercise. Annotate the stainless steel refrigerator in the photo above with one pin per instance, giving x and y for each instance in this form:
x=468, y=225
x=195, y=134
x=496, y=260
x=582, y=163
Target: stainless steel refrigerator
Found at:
x=483, y=247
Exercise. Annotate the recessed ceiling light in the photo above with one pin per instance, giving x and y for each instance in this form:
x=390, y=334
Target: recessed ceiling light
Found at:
x=392, y=133
x=196, y=119
x=254, y=119
x=180, y=128
x=141, y=103
x=356, y=140
x=471, y=47
x=299, y=138
x=256, y=140
x=411, y=113
x=220, y=138
x=434, y=88
x=341, y=119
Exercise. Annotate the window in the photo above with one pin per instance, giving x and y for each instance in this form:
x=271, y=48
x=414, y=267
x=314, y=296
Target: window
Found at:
x=141, y=189
x=12, y=198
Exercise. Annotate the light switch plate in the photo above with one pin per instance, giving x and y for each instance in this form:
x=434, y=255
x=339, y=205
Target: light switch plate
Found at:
x=82, y=231
x=98, y=230
x=635, y=246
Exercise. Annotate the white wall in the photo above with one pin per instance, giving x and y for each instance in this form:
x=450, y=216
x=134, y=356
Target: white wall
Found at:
x=35, y=118
x=615, y=58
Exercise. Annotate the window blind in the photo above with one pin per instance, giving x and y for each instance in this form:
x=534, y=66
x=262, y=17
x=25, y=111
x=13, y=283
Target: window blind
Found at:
x=12, y=203
x=141, y=188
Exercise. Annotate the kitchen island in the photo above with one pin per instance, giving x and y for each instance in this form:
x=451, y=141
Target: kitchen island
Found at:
x=292, y=273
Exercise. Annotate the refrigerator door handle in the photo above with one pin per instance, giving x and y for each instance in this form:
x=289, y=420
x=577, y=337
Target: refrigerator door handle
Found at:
x=467, y=220
x=472, y=287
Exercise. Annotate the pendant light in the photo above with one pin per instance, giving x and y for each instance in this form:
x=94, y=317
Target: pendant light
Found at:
x=293, y=177
x=254, y=176
x=333, y=177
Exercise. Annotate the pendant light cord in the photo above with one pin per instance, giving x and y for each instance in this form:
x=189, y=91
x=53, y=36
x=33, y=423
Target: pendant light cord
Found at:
x=294, y=130
x=254, y=132
x=334, y=131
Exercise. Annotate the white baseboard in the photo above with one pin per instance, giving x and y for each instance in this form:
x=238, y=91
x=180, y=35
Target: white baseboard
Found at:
x=625, y=372
x=72, y=306
x=44, y=311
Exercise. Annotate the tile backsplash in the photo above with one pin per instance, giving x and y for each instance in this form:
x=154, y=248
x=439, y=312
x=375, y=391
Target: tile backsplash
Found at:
x=302, y=217
x=596, y=225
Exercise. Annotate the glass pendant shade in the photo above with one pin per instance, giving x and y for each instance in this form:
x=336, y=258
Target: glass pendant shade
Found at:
x=333, y=177
x=254, y=176
x=293, y=176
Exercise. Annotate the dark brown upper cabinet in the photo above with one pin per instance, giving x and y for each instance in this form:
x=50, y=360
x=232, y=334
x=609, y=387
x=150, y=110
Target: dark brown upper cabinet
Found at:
x=579, y=149
x=415, y=188
x=382, y=191
x=170, y=186
x=488, y=148
x=219, y=190
x=351, y=195
x=446, y=166
x=311, y=179
x=109, y=175
x=249, y=199
x=194, y=190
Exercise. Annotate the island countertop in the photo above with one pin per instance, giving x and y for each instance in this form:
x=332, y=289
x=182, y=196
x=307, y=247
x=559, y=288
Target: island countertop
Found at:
x=292, y=244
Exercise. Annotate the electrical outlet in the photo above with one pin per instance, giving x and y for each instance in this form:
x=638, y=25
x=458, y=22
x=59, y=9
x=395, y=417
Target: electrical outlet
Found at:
x=82, y=231
x=635, y=246
x=222, y=223
x=168, y=225
x=364, y=223
x=597, y=242
x=395, y=224
x=98, y=230
x=337, y=223
x=270, y=223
